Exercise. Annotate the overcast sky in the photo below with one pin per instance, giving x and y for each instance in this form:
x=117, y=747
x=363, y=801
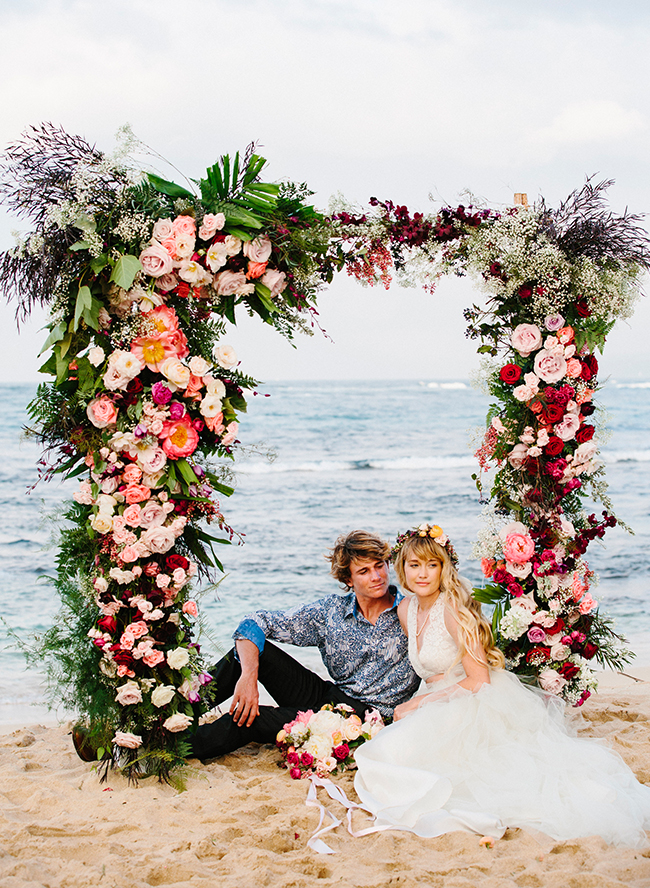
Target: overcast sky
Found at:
x=366, y=97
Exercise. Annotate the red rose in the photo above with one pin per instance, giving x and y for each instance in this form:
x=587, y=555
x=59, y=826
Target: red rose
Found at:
x=123, y=658
x=585, y=433
x=589, y=367
x=525, y=291
x=551, y=414
x=107, y=624
x=495, y=269
x=341, y=752
x=540, y=654
x=510, y=374
x=590, y=650
x=554, y=447
x=557, y=626
x=174, y=561
x=569, y=671
x=582, y=307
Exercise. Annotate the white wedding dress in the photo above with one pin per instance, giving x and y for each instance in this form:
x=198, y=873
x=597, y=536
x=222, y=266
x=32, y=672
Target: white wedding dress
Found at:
x=501, y=757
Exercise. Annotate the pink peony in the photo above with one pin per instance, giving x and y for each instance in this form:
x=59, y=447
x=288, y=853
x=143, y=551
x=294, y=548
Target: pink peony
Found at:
x=518, y=547
x=526, y=338
x=550, y=366
x=180, y=438
x=156, y=261
x=102, y=412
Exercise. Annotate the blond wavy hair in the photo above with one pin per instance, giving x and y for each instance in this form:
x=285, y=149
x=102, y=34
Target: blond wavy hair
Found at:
x=473, y=629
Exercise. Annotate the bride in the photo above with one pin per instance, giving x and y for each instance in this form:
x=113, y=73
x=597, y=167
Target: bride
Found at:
x=475, y=749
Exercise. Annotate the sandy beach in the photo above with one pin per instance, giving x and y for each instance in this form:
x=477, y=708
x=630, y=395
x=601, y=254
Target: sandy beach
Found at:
x=242, y=822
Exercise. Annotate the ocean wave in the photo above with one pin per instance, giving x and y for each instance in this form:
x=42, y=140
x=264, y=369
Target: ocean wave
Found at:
x=406, y=463
x=622, y=456
x=632, y=385
x=445, y=385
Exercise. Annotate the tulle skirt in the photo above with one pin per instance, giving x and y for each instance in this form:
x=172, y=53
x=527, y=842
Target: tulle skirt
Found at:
x=502, y=757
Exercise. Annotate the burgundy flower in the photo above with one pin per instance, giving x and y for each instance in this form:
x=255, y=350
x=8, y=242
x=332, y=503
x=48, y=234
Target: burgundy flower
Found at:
x=590, y=650
x=589, y=367
x=585, y=433
x=582, y=307
x=174, y=561
x=510, y=373
x=525, y=291
x=495, y=269
x=554, y=447
x=557, y=626
x=123, y=658
x=569, y=671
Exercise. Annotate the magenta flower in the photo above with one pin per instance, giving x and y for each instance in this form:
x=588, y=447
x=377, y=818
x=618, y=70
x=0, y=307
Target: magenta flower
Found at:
x=160, y=393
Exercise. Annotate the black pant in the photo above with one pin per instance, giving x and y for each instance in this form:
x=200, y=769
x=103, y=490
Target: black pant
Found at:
x=292, y=686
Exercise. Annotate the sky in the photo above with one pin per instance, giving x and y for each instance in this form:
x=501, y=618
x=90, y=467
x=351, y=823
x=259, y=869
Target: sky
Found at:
x=414, y=101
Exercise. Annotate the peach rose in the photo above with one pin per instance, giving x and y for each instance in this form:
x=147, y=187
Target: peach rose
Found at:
x=156, y=261
x=176, y=372
x=129, y=554
x=230, y=283
x=573, y=368
x=199, y=366
x=132, y=474
x=565, y=335
x=517, y=456
x=177, y=722
x=226, y=357
x=127, y=740
x=153, y=658
x=129, y=694
x=102, y=412
x=131, y=515
x=190, y=607
x=526, y=338
x=136, y=493
x=255, y=270
x=232, y=244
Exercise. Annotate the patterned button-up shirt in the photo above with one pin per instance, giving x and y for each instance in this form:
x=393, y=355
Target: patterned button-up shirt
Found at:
x=368, y=662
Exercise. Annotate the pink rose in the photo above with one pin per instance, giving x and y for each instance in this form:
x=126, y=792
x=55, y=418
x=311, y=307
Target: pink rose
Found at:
x=190, y=607
x=184, y=225
x=587, y=604
x=131, y=516
x=573, y=368
x=156, y=261
x=153, y=658
x=231, y=433
x=517, y=456
x=550, y=366
x=136, y=493
x=152, y=515
x=177, y=722
x=162, y=229
x=229, y=283
x=132, y=474
x=102, y=412
x=211, y=224
x=518, y=548
x=167, y=282
x=153, y=460
x=179, y=576
x=526, y=338
x=259, y=249
x=275, y=280
x=137, y=629
x=551, y=681
x=536, y=634
x=566, y=430
x=158, y=539
x=129, y=554
x=128, y=694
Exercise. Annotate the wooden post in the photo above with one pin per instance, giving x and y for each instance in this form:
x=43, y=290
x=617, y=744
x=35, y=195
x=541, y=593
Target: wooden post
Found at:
x=521, y=199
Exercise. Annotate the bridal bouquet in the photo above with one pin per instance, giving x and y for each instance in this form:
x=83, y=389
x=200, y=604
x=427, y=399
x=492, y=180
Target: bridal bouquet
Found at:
x=323, y=742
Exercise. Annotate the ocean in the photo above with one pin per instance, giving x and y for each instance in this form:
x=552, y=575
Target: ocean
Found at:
x=320, y=459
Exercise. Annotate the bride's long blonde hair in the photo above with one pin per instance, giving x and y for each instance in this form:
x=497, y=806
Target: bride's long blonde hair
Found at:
x=473, y=629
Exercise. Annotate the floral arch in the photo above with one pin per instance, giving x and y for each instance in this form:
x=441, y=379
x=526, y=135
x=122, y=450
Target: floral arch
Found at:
x=142, y=277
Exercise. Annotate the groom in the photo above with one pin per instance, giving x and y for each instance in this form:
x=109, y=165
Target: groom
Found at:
x=360, y=640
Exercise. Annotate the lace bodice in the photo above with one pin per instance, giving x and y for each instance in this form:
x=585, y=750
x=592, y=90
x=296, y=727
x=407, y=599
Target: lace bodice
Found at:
x=438, y=650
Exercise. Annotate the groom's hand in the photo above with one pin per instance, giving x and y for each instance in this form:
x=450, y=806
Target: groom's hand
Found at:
x=245, y=702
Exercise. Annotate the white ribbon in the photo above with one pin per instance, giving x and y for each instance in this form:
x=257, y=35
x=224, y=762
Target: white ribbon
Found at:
x=337, y=795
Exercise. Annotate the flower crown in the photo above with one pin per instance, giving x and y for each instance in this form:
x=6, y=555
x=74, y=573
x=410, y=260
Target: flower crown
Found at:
x=434, y=532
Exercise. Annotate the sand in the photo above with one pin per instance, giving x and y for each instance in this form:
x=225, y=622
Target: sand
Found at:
x=243, y=822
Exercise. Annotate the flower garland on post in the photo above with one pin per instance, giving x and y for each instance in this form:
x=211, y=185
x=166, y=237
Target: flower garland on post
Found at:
x=556, y=282
x=141, y=275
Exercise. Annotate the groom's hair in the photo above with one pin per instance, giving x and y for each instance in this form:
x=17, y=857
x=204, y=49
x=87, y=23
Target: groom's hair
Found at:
x=355, y=546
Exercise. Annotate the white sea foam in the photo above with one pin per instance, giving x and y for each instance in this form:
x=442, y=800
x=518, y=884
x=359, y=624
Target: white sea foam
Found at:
x=406, y=463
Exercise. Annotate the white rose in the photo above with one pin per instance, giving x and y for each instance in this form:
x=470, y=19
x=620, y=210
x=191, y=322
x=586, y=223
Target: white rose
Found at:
x=214, y=386
x=178, y=658
x=100, y=584
x=101, y=522
x=216, y=257
x=176, y=372
x=126, y=364
x=96, y=356
x=106, y=503
x=226, y=356
x=353, y=731
x=162, y=695
x=129, y=694
x=232, y=245
x=177, y=722
x=199, y=366
x=210, y=405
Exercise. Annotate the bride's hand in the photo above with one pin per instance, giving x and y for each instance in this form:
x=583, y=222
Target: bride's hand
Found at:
x=404, y=709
